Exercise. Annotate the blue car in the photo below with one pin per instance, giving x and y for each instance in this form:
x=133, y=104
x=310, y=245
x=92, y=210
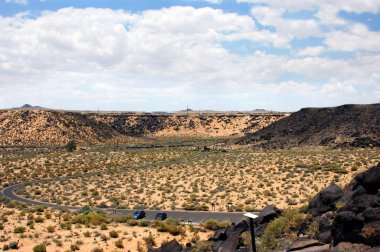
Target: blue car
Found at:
x=161, y=216
x=139, y=215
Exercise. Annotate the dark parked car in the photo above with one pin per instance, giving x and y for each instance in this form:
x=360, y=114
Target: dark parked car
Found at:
x=139, y=215
x=161, y=216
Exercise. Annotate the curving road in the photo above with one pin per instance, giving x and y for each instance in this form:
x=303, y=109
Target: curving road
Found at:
x=185, y=216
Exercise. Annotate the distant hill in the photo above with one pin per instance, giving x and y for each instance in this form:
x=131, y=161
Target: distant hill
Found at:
x=193, y=124
x=53, y=128
x=343, y=126
x=30, y=107
x=34, y=127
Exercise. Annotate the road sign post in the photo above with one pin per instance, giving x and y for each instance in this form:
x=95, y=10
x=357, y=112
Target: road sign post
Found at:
x=251, y=217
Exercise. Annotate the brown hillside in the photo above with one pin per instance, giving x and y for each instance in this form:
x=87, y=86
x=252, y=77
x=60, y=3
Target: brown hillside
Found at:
x=55, y=128
x=343, y=126
x=187, y=125
x=37, y=127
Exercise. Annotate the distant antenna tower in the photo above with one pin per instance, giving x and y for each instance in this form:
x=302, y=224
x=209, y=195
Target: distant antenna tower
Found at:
x=187, y=109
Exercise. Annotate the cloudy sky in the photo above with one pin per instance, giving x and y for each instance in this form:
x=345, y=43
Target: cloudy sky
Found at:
x=151, y=55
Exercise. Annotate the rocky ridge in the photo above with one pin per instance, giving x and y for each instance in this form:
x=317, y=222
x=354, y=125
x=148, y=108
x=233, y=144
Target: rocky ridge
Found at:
x=342, y=126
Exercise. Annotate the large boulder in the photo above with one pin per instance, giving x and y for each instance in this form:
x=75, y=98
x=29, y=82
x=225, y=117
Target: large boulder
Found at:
x=231, y=244
x=325, y=200
x=172, y=246
x=266, y=215
x=370, y=179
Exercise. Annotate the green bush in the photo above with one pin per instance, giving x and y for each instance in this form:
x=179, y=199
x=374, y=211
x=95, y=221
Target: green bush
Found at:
x=50, y=229
x=122, y=218
x=215, y=225
x=97, y=250
x=113, y=234
x=71, y=146
x=40, y=248
x=171, y=226
x=279, y=232
x=19, y=230
x=92, y=218
x=149, y=241
x=119, y=243
x=143, y=223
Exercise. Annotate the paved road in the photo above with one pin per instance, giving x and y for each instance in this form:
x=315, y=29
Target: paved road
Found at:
x=186, y=216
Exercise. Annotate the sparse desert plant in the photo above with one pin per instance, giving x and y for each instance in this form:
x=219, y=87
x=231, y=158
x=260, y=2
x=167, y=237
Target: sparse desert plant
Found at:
x=19, y=230
x=149, y=240
x=40, y=248
x=50, y=229
x=214, y=224
x=113, y=234
x=71, y=146
x=119, y=243
x=283, y=226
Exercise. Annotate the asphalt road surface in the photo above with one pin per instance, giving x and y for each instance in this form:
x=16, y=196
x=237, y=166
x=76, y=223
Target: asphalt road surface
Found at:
x=184, y=216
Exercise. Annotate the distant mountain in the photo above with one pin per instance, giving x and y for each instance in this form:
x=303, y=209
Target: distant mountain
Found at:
x=30, y=107
x=343, y=126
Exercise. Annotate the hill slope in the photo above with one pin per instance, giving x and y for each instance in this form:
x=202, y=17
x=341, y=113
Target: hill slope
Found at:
x=187, y=125
x=37, y=127
x=55, y=128
x=343, y=126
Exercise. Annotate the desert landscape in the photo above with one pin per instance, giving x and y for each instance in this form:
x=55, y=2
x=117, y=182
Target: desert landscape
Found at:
x=197, y=162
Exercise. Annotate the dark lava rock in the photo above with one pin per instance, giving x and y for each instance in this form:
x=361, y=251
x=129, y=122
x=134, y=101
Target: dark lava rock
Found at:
x=172, y=246
x=302, y=243
x=231, y=244
x=346, y=246
x=325, y=200
x=347, y=227
x=370, y=179
x=219, y=235
x=266, y=215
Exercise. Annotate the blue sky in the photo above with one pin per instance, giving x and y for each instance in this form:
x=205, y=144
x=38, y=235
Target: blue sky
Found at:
x=154, y=55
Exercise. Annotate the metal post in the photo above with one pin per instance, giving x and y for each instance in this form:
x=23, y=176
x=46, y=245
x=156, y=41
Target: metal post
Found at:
x=252, y=234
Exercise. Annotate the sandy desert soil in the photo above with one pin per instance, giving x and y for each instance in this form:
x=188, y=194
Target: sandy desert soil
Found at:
x=58, y=230
x=187, y=178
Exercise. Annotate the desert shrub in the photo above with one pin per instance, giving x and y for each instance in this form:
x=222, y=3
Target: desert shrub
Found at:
x=71, y=146
x=50, y=229
x=87, y=234
x=171, y=226
x=203, y=246
x=143, y=223
x=113, y=234
x=66, y=225
x=312, y=230
x=97, y=250
x=133, y=222
x=19, y=230
x=122, y=218
x=39, y=219
x=214, y=224
x=59, y=243
x=92, y=218
x=119, y=243
x=279, y=232
x=74, y=247
x=40, y=248
x=149, y=241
